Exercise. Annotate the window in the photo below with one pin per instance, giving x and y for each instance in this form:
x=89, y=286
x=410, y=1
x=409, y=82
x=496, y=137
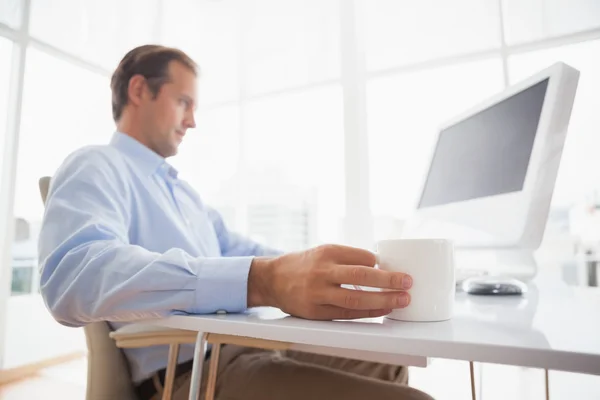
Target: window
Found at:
x=290, y=43
x=24, y=260
x=579, y=173
x=403, y=32
x=208, y=32
x=97, y=31
x=208, y=160
x=22, y=278
x=526, y=21
x=294, y=167
x=64, y=108
x=404, y=112
x=11, y=12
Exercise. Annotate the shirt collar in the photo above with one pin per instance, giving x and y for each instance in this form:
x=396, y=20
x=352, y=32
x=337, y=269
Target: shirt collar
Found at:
x=149, y=161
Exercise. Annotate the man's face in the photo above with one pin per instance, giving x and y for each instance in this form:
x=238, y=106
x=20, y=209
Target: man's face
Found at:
x=167, y=117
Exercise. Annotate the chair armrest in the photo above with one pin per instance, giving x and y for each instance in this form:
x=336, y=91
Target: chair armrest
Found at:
x=143, y=335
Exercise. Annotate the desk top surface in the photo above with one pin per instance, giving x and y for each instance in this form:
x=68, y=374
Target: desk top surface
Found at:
x=553, y=326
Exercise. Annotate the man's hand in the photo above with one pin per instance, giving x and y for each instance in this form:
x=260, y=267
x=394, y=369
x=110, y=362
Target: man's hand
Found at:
x=308, y=284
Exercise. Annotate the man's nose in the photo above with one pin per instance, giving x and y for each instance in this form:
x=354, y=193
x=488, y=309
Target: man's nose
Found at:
x=190, y=121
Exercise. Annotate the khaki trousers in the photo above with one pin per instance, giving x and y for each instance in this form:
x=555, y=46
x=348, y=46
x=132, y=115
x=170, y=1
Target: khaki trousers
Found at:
x=253, y=374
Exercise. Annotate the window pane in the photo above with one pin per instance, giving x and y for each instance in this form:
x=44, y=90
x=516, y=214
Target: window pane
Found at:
x=11, y=12
x=209, y=32
x=64, y=108
x=404, y=112
x=136, y=25
x=208, y=160
x=530, y=20
x=5, y=70
x=295, y=168
x=402, y=32
x=98, y=31
x=291, y=43
x=22, y=279
x=579, y=173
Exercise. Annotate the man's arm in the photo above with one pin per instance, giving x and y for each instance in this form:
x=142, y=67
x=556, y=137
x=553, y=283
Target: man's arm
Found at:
x=307, y=284
x=90, y=271
x=234, y=244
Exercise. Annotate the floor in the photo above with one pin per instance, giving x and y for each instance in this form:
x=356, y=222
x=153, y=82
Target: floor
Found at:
x=443, y=379
x=65, y=382
x=450, y=379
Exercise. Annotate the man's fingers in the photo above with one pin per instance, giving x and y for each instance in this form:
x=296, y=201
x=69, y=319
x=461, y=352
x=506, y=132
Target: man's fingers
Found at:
x=348, y=255
x=332, y=312
x=367, y=300
x=366, y=276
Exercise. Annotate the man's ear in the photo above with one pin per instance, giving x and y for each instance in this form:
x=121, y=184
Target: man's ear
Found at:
x=136, y=89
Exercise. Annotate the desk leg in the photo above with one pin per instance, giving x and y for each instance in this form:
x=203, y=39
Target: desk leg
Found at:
x=212, y=372
x=473, y=394
x=592, y=273
x=547, y=379
x=196, y=378
x=171, y=367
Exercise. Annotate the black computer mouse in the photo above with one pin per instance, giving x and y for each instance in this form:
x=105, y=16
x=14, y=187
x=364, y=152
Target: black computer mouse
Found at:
x=494, y=285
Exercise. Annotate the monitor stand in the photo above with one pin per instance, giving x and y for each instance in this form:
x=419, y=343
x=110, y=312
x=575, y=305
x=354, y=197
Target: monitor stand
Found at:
x=508, y=262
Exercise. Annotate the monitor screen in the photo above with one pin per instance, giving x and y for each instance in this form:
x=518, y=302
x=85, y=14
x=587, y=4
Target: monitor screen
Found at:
x=486, y=154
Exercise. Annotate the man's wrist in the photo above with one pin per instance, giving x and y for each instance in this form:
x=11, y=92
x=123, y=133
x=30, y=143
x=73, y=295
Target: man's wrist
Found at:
x=259, y=282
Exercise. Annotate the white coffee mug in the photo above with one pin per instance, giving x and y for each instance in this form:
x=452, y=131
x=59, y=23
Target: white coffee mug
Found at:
x=430, y=263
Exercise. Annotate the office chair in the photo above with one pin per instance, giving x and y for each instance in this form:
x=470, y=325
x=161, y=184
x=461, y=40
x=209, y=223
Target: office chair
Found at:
x=109, y=377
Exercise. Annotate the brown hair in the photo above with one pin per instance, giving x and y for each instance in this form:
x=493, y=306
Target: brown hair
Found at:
x=150, y=61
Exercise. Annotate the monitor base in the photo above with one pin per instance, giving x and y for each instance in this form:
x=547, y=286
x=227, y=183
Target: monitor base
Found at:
x=508, y=262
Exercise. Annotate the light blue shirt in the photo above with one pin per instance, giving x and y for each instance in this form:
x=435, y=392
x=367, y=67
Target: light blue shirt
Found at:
x=124, y=239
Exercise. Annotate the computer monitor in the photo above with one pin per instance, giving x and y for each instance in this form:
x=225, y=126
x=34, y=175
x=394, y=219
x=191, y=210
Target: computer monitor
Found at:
x=493, y=168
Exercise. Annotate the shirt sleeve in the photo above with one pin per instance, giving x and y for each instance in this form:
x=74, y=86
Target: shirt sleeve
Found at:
x=90, y=272
x=234, y=244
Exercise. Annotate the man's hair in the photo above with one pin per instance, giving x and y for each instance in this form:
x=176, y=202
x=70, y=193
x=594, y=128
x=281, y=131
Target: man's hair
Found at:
x=150, y=61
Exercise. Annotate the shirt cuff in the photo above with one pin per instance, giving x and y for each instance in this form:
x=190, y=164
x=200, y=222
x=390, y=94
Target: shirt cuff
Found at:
x=222, y=285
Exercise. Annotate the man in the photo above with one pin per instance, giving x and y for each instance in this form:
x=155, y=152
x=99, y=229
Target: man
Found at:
x=124, y=239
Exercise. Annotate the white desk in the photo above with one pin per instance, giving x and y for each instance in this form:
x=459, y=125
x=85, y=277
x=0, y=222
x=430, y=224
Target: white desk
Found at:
x=554, y=326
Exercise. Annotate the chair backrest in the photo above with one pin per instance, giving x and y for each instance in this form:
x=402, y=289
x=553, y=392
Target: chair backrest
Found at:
x=108, y=372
